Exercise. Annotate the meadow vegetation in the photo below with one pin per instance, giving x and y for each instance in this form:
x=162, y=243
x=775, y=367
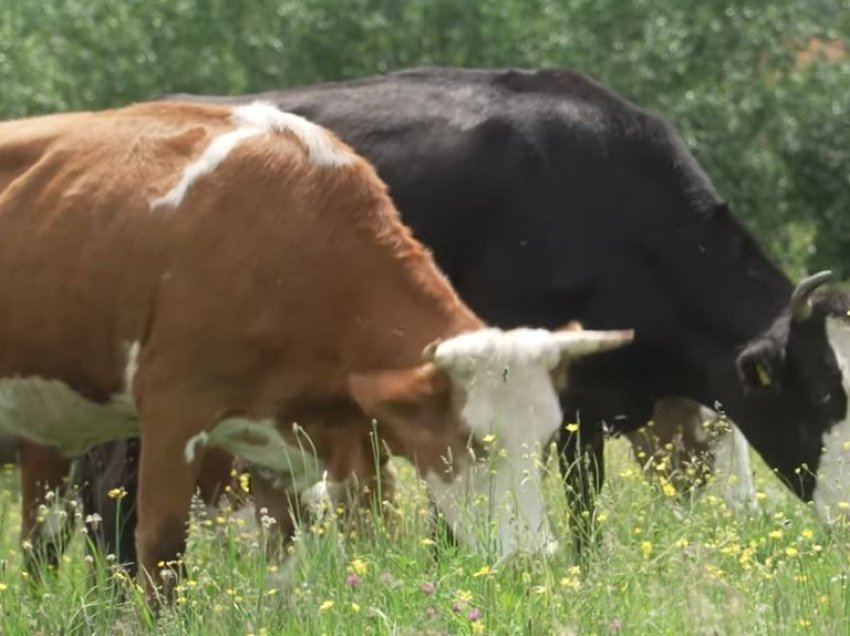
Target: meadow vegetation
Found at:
x=759, y=91
x=666, y=563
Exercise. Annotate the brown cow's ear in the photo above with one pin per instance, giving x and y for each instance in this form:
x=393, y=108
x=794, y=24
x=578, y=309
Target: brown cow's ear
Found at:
x=572, y=325
x=403, y=398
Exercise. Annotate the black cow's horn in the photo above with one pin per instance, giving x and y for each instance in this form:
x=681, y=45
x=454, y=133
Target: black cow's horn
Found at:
x=801, y=306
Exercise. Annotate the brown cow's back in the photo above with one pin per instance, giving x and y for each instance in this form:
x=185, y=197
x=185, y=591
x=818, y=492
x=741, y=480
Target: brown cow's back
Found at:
x=91, y=264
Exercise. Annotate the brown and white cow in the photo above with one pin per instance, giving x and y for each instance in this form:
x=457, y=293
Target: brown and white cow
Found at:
x=236, y=277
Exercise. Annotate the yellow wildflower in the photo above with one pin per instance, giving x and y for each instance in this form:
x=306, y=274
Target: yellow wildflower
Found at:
x=116, y=493
x=355, y=607
x=478, y=627
x=572, y=427
x=326, y=606
x=484, y=571
x=791, y=551
x=806, y=533
x=489, y=439
x=426, y=542
x=775, y=534
x=570, y=583
x=646, y=549
x=464, y=596
x=359, y=567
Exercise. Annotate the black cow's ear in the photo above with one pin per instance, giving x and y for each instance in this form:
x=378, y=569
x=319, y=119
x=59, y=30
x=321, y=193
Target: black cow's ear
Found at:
x=760, y=364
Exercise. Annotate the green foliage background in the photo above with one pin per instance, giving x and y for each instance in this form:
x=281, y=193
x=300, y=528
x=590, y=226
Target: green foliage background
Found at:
x=774, y=134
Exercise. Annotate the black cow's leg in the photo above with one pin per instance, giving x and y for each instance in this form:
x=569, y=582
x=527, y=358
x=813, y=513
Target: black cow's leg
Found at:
x=107, y=478
x=580, y=453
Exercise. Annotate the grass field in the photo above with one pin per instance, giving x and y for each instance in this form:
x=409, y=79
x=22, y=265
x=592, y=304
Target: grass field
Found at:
x=662, y=568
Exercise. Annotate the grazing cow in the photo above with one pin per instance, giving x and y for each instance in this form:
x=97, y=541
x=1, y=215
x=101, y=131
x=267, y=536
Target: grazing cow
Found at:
x=694, y=441
x=236, y=277
x=547, y=197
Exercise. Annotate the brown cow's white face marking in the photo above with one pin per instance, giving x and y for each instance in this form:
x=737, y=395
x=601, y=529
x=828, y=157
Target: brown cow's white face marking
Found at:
x=255, y=119
x=832, y=491
x=511, y=407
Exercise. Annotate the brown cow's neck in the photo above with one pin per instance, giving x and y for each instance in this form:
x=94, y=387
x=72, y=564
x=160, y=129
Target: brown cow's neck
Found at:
x=407, y=303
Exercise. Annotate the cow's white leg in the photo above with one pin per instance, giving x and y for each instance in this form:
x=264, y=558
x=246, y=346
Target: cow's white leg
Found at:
x=733, y=470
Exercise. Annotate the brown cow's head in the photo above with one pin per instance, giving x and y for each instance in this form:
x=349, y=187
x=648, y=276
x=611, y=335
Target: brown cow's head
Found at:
x=474, y=418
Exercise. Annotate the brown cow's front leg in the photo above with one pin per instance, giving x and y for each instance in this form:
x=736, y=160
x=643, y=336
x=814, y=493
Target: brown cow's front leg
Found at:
x=42, y=471
x=166, y=483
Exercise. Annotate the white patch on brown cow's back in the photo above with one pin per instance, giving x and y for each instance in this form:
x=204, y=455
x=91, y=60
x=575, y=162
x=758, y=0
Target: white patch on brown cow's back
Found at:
x=49, y=412
x=251, y=120
x=209, y=160
x=322, y=148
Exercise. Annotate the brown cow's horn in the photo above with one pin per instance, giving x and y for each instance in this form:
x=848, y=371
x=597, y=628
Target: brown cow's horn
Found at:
x=801, y=306
x=430, y=352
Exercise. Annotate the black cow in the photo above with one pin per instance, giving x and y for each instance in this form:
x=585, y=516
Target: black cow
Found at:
x=546, y=198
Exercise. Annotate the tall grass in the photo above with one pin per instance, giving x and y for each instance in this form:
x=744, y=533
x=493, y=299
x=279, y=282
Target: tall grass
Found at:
x=664, y=565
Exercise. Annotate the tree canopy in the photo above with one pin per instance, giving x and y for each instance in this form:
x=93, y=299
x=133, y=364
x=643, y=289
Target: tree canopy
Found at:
x=759, y=89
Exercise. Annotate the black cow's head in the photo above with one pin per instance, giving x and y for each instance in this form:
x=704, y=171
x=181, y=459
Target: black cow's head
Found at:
x=792, y=374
